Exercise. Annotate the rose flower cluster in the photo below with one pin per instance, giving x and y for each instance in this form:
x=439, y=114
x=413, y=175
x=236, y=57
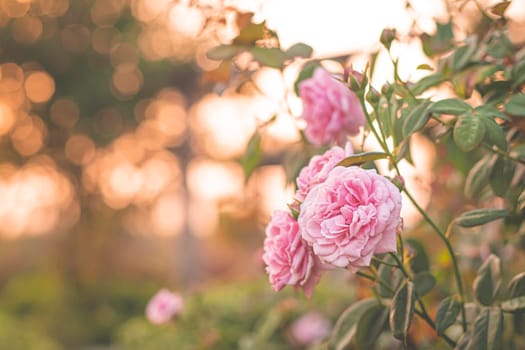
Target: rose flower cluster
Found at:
x=345, y=214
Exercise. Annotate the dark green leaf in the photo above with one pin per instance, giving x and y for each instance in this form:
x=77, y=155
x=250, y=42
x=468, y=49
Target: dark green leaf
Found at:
x=487, y=330
x=488, y=280
x=306, y=72
x=299, y=50
x=516, y=105
x=345, y=327
x=468, y=132
x=478, y=176
x=361, y=158
x=224, y=52
x=370, y=326
x=463, y=341
x=389, y=278
x=501, y=176
x=514, y=304
x=516, y=286
x=252, y=156
x=269, y=56
x=480, y=217
x=418, y=258
x=417, y=118
x=428, y=82
x=439, y=43
x=447, y=313
x=402, y=311
x=490, y=110
x=424, y=282
x=452, y=106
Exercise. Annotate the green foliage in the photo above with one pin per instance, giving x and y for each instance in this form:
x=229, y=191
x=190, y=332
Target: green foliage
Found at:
x=402, y=310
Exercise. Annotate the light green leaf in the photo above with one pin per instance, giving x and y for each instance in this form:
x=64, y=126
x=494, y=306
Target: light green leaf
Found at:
x=468, y=132
x=487, y=330
x=447, y=313
x=360, y=158
x=252, y=156
x=479, y=217
x=488, y=280
x=427, y=82
x=299, y=50
x=417, y=118
x=452, y=106
x=269, y=56
x=516, y=105
x=402, y=311
x=424, y=282
x=345, y=327
x=370, y=326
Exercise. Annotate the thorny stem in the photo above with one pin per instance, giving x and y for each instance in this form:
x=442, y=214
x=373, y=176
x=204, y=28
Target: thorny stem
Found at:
x=424, y=214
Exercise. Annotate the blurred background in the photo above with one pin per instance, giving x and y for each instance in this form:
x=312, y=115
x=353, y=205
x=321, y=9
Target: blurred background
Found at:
x=120, y=144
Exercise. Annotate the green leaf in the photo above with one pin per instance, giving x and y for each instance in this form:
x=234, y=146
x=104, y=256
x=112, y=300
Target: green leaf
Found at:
x=387, y=36
x=389, y=277
x=418, y=258
x=439, y=43
x=424, y=282
x=251, y=33
x=224, y=52
x=447, y=313
x=299, y=50
x=478, y=176
x=252, y=156
x=488, y=280
x=516, y=286
x=494, y=134
x=306, y=72
x=521, y=201
x=428, y=82
x=501, y=176
x=490, y=110
x=417, y=118
x=452, y=106
x=468, y=132
x=402, y=311
x=479, y=217
x=514, y=305
x=370, y=326
x=269, y=56
x=424, y=66
x=461, y=57
x=487, y=330
x=345, y=327
x=516, y=105
x=361, y=158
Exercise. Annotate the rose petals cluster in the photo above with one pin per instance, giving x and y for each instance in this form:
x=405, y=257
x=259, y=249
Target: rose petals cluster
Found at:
x=318, y=168
x=163, y=306
x=330, y=109
x=289, y=259
x=351, y=216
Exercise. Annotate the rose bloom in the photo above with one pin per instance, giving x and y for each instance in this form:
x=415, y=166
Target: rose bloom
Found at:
x=163, y=306
x=310, y=328
x=351, y=216
x=318, y=168
x=330, y=109
x=288, y=258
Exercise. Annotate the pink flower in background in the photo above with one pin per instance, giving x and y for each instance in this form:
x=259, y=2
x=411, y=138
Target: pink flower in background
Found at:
x=318, y=168
x=310, y=328
x=351, y=216
x=288, y=258
x=330, y=109
x=164, y=306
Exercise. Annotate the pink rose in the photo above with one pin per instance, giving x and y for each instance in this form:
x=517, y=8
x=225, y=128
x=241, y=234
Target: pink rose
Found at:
x=318, y=168
x=330, y=109
x=164, y=306
x=310, y=328
x=288, y=258
x=351, y=216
